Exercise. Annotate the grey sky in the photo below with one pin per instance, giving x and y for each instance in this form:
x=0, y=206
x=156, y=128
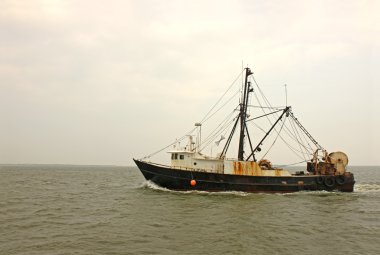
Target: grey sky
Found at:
x=100, y=82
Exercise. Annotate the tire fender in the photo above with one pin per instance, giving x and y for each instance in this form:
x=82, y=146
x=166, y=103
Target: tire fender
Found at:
x=340, y=179
x=329, y=181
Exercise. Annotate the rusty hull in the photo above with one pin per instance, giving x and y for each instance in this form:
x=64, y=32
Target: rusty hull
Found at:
x=176, y=179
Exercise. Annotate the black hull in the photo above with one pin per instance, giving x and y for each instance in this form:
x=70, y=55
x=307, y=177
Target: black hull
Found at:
x=175, y=179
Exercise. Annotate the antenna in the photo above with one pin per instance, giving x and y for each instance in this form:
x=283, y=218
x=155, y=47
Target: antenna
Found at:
x=286, y=95
x=199, y=136
x=242, y=77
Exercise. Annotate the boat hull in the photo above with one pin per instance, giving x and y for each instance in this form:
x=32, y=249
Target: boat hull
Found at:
x=177, y=179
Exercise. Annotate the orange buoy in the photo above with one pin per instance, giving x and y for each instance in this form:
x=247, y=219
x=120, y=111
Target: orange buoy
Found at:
x=193, y=183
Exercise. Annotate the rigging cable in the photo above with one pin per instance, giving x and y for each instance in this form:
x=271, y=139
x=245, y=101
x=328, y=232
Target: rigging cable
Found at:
x=293, y=163
x=299, y=124
x=212, y=108
x=214, y=137
x=264, y=115
x=306, y=140
x=286, y=143
x=176, y=141
x=306, y=132
x=219, y=129
x=278, y=134
x=272, y=108
x=203, y=120
x=287, y=130
x=297, y=136
x=232, y=97
x=303, y=139
x=226, y=119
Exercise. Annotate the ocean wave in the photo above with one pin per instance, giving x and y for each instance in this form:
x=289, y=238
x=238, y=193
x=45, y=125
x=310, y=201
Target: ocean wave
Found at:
x=152, y=185
x=359, y=188
x=309, y=192
x=367, y=187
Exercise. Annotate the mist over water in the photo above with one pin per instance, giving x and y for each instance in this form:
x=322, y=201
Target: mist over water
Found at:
x=58, y=209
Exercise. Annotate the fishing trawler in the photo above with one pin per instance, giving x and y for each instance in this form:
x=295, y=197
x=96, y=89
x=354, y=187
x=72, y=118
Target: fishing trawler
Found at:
x=191, y=168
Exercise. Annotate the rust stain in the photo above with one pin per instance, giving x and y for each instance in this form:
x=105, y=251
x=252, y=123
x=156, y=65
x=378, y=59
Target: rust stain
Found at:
x=238, y=168
x=277, y=172
x=253, y=168
x=219, y=168
x=246, y=168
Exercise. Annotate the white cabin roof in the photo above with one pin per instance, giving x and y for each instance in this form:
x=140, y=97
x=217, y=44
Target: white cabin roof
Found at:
x=181, y=151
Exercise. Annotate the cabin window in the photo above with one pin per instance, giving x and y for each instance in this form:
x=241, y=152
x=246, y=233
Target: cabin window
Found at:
x=175, y=156
x=181, y=157
x=172, y=155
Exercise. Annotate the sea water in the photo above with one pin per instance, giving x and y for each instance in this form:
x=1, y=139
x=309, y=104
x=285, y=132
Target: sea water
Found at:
x=62, y=209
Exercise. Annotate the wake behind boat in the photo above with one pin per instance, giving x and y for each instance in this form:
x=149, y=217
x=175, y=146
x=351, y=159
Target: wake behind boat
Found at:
x=192, y=169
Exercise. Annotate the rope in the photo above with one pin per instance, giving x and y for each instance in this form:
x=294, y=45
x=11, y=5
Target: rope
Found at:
x=287, y=130
x=204, y=118
x=297, y=136
x=215, y=133
x=286, y=143
x=232, y=97
x=212, y=108
x=292, y=164
x=154, y=153
x=283, y=122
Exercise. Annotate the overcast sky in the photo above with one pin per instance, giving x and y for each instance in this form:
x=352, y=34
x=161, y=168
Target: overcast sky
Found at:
x=101, y=82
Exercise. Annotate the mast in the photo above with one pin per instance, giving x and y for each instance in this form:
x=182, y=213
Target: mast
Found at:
x=243, y=113
x=242, y=118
